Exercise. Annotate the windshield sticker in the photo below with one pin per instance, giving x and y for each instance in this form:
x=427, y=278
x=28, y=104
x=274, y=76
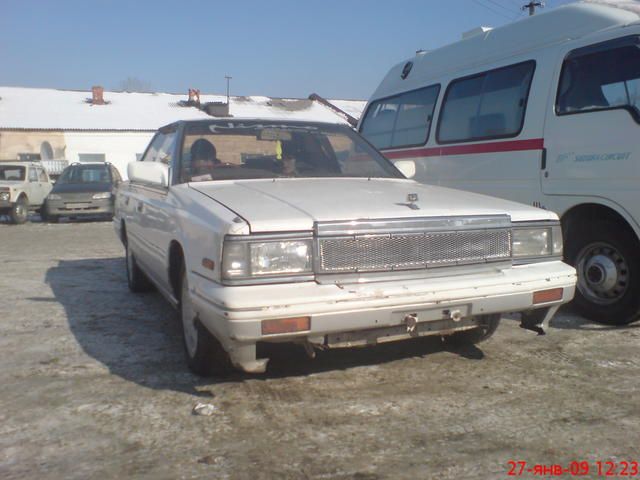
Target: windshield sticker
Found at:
x=219, y=128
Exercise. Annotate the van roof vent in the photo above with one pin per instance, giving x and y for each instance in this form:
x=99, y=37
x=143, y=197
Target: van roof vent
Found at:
x=476, y=31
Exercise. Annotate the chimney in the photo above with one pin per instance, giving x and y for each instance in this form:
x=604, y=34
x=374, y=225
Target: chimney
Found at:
x=194, y=96
x=97, y=93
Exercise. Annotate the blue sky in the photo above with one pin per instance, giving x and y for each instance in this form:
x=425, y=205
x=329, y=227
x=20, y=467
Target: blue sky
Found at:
x=286, y=48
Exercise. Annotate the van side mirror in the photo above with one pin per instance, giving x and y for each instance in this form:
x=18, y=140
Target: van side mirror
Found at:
x=152, y=173
x=406, y=167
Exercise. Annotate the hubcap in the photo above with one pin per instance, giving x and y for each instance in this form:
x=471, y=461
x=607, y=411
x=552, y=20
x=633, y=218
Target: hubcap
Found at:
x=21, y=210
x=188, y=315
x=603, y=273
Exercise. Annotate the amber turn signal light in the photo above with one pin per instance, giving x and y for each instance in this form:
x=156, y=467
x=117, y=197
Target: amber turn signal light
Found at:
x=546, y=296
x=286, y=325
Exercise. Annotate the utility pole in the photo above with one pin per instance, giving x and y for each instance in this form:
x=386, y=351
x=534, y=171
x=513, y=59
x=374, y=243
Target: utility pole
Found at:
x=228, y=78
x=532, y=7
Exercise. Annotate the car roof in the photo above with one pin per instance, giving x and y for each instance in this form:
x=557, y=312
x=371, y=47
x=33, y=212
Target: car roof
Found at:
x=267, y=120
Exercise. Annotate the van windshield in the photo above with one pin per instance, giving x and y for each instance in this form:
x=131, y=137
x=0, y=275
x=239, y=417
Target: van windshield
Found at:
x=251, y=149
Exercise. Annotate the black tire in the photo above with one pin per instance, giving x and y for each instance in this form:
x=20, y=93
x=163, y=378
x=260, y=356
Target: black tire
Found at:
x=20, y=211
x=487, y=326
x=205, y=356
x=136, y=279
x=607, y=258
x=46, y=217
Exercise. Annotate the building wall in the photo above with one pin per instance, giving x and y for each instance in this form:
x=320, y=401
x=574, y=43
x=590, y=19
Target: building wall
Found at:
x=119, y=148
x=24, y=141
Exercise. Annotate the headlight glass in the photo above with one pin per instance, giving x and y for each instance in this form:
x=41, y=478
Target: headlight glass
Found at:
x=537, y=241
x=101, y=195
x=54, y=196
x=5, y=195
x=257, y=259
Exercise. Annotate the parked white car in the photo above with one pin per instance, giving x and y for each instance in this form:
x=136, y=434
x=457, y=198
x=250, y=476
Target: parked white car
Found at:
x=274, y=231
x=23, y=187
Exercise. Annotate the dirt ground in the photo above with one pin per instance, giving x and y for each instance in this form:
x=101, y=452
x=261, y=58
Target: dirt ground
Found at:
x=93, y=384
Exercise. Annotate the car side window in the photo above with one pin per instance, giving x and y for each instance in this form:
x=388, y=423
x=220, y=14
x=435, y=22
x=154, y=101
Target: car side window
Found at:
x=161, y=148
x=33, y=175
x=43, y=175
x=601, y=77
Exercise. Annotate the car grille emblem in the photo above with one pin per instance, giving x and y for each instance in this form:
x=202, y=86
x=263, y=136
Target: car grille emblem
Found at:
x=412, y=198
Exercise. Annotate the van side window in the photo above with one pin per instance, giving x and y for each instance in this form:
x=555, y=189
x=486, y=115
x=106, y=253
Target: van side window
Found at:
x=402, y=120
x=601, y=77
x=486, y=105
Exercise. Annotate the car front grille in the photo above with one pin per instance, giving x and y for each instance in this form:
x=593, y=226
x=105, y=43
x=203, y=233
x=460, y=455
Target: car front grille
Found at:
x=415, y=245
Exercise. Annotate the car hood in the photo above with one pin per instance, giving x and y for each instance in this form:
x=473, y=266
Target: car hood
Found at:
x=62, y=188
x=295, y=204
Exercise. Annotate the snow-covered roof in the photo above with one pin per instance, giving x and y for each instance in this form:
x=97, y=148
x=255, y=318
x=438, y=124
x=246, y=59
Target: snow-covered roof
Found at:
x=50, y=109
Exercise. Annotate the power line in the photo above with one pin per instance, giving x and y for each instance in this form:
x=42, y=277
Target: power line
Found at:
x=501, y=6
x=497, y=12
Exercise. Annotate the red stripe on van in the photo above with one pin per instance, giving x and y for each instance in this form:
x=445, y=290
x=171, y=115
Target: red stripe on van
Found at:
x=492, y=147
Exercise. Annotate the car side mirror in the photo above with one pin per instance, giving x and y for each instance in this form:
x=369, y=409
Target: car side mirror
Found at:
x=153, y=173
x=406, y=167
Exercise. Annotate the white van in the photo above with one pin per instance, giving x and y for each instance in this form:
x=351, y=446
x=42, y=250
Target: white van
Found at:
x=544, y=111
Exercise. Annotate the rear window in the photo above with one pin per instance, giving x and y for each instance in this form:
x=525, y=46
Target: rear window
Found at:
x=402, y=120
x=601, y=77
x=488, y=105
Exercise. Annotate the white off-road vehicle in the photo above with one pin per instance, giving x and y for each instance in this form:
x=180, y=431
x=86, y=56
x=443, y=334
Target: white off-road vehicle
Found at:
x=23, y=188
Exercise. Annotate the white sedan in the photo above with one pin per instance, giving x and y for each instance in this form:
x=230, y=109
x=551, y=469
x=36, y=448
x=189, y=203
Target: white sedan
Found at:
x=282, y=231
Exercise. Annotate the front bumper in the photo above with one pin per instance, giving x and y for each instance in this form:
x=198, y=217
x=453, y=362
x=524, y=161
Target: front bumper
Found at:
x=235, y=314
x=80, y=207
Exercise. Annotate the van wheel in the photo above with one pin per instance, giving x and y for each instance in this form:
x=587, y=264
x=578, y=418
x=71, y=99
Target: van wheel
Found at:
x=136, y=279
x=607, y=259
x=205, y=355
x=487, y=325
x=20, y=211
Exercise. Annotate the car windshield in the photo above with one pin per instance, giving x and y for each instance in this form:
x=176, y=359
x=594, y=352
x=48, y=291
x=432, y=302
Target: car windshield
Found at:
x=85, y=174
x=251, y=149
x=12, y=173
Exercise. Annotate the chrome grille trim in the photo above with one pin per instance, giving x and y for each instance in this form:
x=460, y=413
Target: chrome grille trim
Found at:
x=422, y=243
x=404, y=225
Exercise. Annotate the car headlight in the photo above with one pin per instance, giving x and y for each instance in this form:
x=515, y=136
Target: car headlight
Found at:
x=537, y=241
x=255, y=259
x=101, y=195
x=54, y=196
x=5, y=195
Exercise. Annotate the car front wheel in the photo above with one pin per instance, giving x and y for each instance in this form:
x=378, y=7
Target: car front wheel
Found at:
x=205, y=355
x=20, y=211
